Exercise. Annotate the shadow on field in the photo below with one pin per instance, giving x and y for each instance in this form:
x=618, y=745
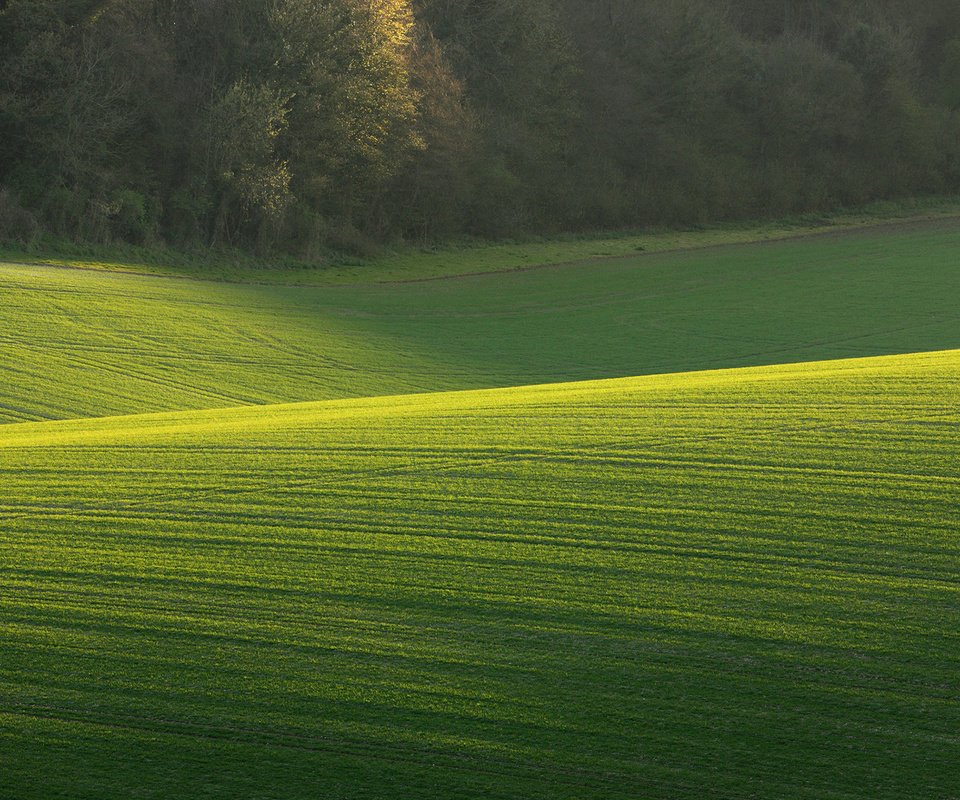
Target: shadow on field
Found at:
x=881, y=291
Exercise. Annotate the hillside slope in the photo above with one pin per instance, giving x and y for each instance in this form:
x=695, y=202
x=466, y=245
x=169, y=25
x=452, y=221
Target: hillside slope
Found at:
x=726, y=584
x=81, y=343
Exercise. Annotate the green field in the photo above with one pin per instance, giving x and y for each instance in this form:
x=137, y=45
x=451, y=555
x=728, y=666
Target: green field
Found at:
x=731, y=583
x=86, y=343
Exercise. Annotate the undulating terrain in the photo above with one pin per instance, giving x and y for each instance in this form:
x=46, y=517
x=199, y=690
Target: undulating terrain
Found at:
x=92, y=343
x=734, y=574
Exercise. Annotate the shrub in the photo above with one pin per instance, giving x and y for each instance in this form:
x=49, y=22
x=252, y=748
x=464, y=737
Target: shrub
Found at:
x=16, y=223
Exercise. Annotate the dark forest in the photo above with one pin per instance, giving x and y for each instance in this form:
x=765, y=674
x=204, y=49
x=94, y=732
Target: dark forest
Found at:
x=296, y=125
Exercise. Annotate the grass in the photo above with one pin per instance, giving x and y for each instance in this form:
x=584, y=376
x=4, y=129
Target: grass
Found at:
x=410, y=262
x=730, y=570
x=737, y=583
x=85, y=343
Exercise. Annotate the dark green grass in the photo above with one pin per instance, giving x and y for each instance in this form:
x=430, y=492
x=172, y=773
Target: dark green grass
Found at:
x=736, y=584
x=85, y=343
x=469, y=256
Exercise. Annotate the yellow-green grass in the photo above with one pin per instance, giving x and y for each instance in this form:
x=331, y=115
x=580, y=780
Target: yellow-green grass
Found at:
x=737, y=584
x=77, y=343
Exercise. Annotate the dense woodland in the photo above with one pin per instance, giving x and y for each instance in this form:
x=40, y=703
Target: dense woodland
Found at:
x=297, y=125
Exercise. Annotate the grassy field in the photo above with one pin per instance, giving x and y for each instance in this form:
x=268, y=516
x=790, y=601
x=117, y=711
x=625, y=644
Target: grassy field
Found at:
x=76, y=343
x=739, y=583
x=728, y=569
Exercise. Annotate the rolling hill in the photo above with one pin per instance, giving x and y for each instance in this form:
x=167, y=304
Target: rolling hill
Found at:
x=734, y=583
x=78, y=343
x=676, y=525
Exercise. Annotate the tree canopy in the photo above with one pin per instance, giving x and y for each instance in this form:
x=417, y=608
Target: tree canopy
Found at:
x=296, y=124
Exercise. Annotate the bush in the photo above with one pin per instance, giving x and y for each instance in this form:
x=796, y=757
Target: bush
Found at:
x=63, y=211
x=131, y=220
x=16, y=223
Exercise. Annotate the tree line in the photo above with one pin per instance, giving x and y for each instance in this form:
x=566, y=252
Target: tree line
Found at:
x=296, y=125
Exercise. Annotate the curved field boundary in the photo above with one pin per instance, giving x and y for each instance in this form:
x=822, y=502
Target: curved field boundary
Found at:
x=83, y=344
